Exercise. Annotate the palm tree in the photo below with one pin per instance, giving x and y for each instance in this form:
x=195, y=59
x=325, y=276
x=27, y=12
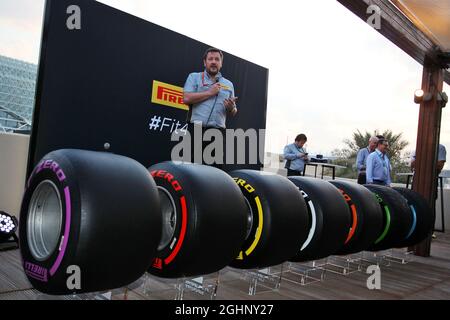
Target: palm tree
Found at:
x=396, y=143
x=347, y=156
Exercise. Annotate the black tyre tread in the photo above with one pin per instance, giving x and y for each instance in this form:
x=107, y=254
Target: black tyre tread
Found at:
x=114, y=205
x=333, y=219
x=285, y=219
x=401, y=217
x=370, y=217
x=216, y=221
x=425, y=217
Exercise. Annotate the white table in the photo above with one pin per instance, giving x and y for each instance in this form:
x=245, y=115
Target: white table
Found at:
x=323, y=165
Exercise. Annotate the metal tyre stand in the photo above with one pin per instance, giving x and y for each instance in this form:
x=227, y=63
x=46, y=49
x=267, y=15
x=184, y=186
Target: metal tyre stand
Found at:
x=198, y=288
x=344, y=265
x=305, y=273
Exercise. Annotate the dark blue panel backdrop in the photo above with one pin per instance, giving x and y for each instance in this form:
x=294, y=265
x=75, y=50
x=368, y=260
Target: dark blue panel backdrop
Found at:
x=95, y=84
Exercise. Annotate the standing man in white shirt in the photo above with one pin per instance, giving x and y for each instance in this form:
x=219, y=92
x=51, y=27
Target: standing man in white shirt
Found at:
x=378, y=166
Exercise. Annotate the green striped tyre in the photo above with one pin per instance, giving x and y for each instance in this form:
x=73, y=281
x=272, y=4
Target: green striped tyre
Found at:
x=397, y=217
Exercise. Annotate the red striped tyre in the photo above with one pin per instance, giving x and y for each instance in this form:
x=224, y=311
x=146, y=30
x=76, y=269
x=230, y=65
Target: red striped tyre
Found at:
x=367, y=217
x=90, y=221
x=204, y=220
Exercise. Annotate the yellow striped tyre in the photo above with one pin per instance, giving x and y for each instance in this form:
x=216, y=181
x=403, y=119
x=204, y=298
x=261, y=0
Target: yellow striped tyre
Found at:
x=397, y=217
x=330, y=216
x=278, y=221
x=367, y=217
x=204, y=220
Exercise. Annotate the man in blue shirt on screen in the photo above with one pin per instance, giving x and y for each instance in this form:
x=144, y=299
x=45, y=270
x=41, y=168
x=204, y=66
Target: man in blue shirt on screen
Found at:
x=378, y=166
x=210, y=97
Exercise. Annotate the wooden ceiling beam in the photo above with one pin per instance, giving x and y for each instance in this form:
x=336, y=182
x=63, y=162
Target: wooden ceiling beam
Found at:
x=396, y=27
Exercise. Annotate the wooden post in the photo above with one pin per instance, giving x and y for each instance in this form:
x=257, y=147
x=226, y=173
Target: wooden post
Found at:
x=425, y=176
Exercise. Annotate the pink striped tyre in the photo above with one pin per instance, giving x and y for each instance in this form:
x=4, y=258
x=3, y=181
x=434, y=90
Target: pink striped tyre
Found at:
x=90, y=221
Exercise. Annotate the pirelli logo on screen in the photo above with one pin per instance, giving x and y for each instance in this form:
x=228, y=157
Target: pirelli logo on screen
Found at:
x=168, y=95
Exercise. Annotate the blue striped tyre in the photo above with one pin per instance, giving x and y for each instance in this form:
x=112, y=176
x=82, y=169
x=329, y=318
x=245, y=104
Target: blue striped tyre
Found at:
x=423, y=218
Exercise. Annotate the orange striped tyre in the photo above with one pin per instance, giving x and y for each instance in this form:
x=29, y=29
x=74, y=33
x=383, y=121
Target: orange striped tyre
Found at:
x=277, y=216
x=367, y=217
x=330, y=218
x=204, y=220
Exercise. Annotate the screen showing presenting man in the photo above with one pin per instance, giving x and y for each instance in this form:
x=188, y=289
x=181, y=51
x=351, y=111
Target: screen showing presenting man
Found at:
x=210, y=97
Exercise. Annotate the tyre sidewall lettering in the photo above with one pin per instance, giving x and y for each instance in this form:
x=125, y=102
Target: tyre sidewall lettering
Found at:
x=353, y=210
x=252, y=196
x=171, y=184
x=54, y=267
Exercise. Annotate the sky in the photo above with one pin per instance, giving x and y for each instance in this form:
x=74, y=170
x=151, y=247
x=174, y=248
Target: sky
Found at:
x=330, y=73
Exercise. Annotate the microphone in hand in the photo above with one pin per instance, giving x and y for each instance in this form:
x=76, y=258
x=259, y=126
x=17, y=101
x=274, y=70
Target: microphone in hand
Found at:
x=215, y=88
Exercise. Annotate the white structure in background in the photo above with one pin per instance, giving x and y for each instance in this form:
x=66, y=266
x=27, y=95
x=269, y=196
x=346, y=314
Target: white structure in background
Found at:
x=274, y=162
x=17, y=90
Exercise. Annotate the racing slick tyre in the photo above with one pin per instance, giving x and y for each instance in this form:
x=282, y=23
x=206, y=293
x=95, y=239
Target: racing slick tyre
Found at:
x=367, y=217
x=278, y=220
x=397, y=217
x=423, y=218
x=204, y=220
x=330, y=216
x=90, y=221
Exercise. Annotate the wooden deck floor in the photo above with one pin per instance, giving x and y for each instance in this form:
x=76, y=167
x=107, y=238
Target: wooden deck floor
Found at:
x=423, y=278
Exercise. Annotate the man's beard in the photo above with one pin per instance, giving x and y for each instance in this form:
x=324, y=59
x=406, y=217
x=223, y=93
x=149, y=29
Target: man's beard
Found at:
x=213, y=72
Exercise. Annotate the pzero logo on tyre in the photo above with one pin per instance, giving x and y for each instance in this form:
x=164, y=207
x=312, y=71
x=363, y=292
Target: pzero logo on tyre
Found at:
x=277, y=219
x=85, y=209
x=398, y=221
x=169, y=235
x=387, y=219
x=352, y=207
x=47, y=194
x=203, y=220
x=366, y=217
x=255, y=228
